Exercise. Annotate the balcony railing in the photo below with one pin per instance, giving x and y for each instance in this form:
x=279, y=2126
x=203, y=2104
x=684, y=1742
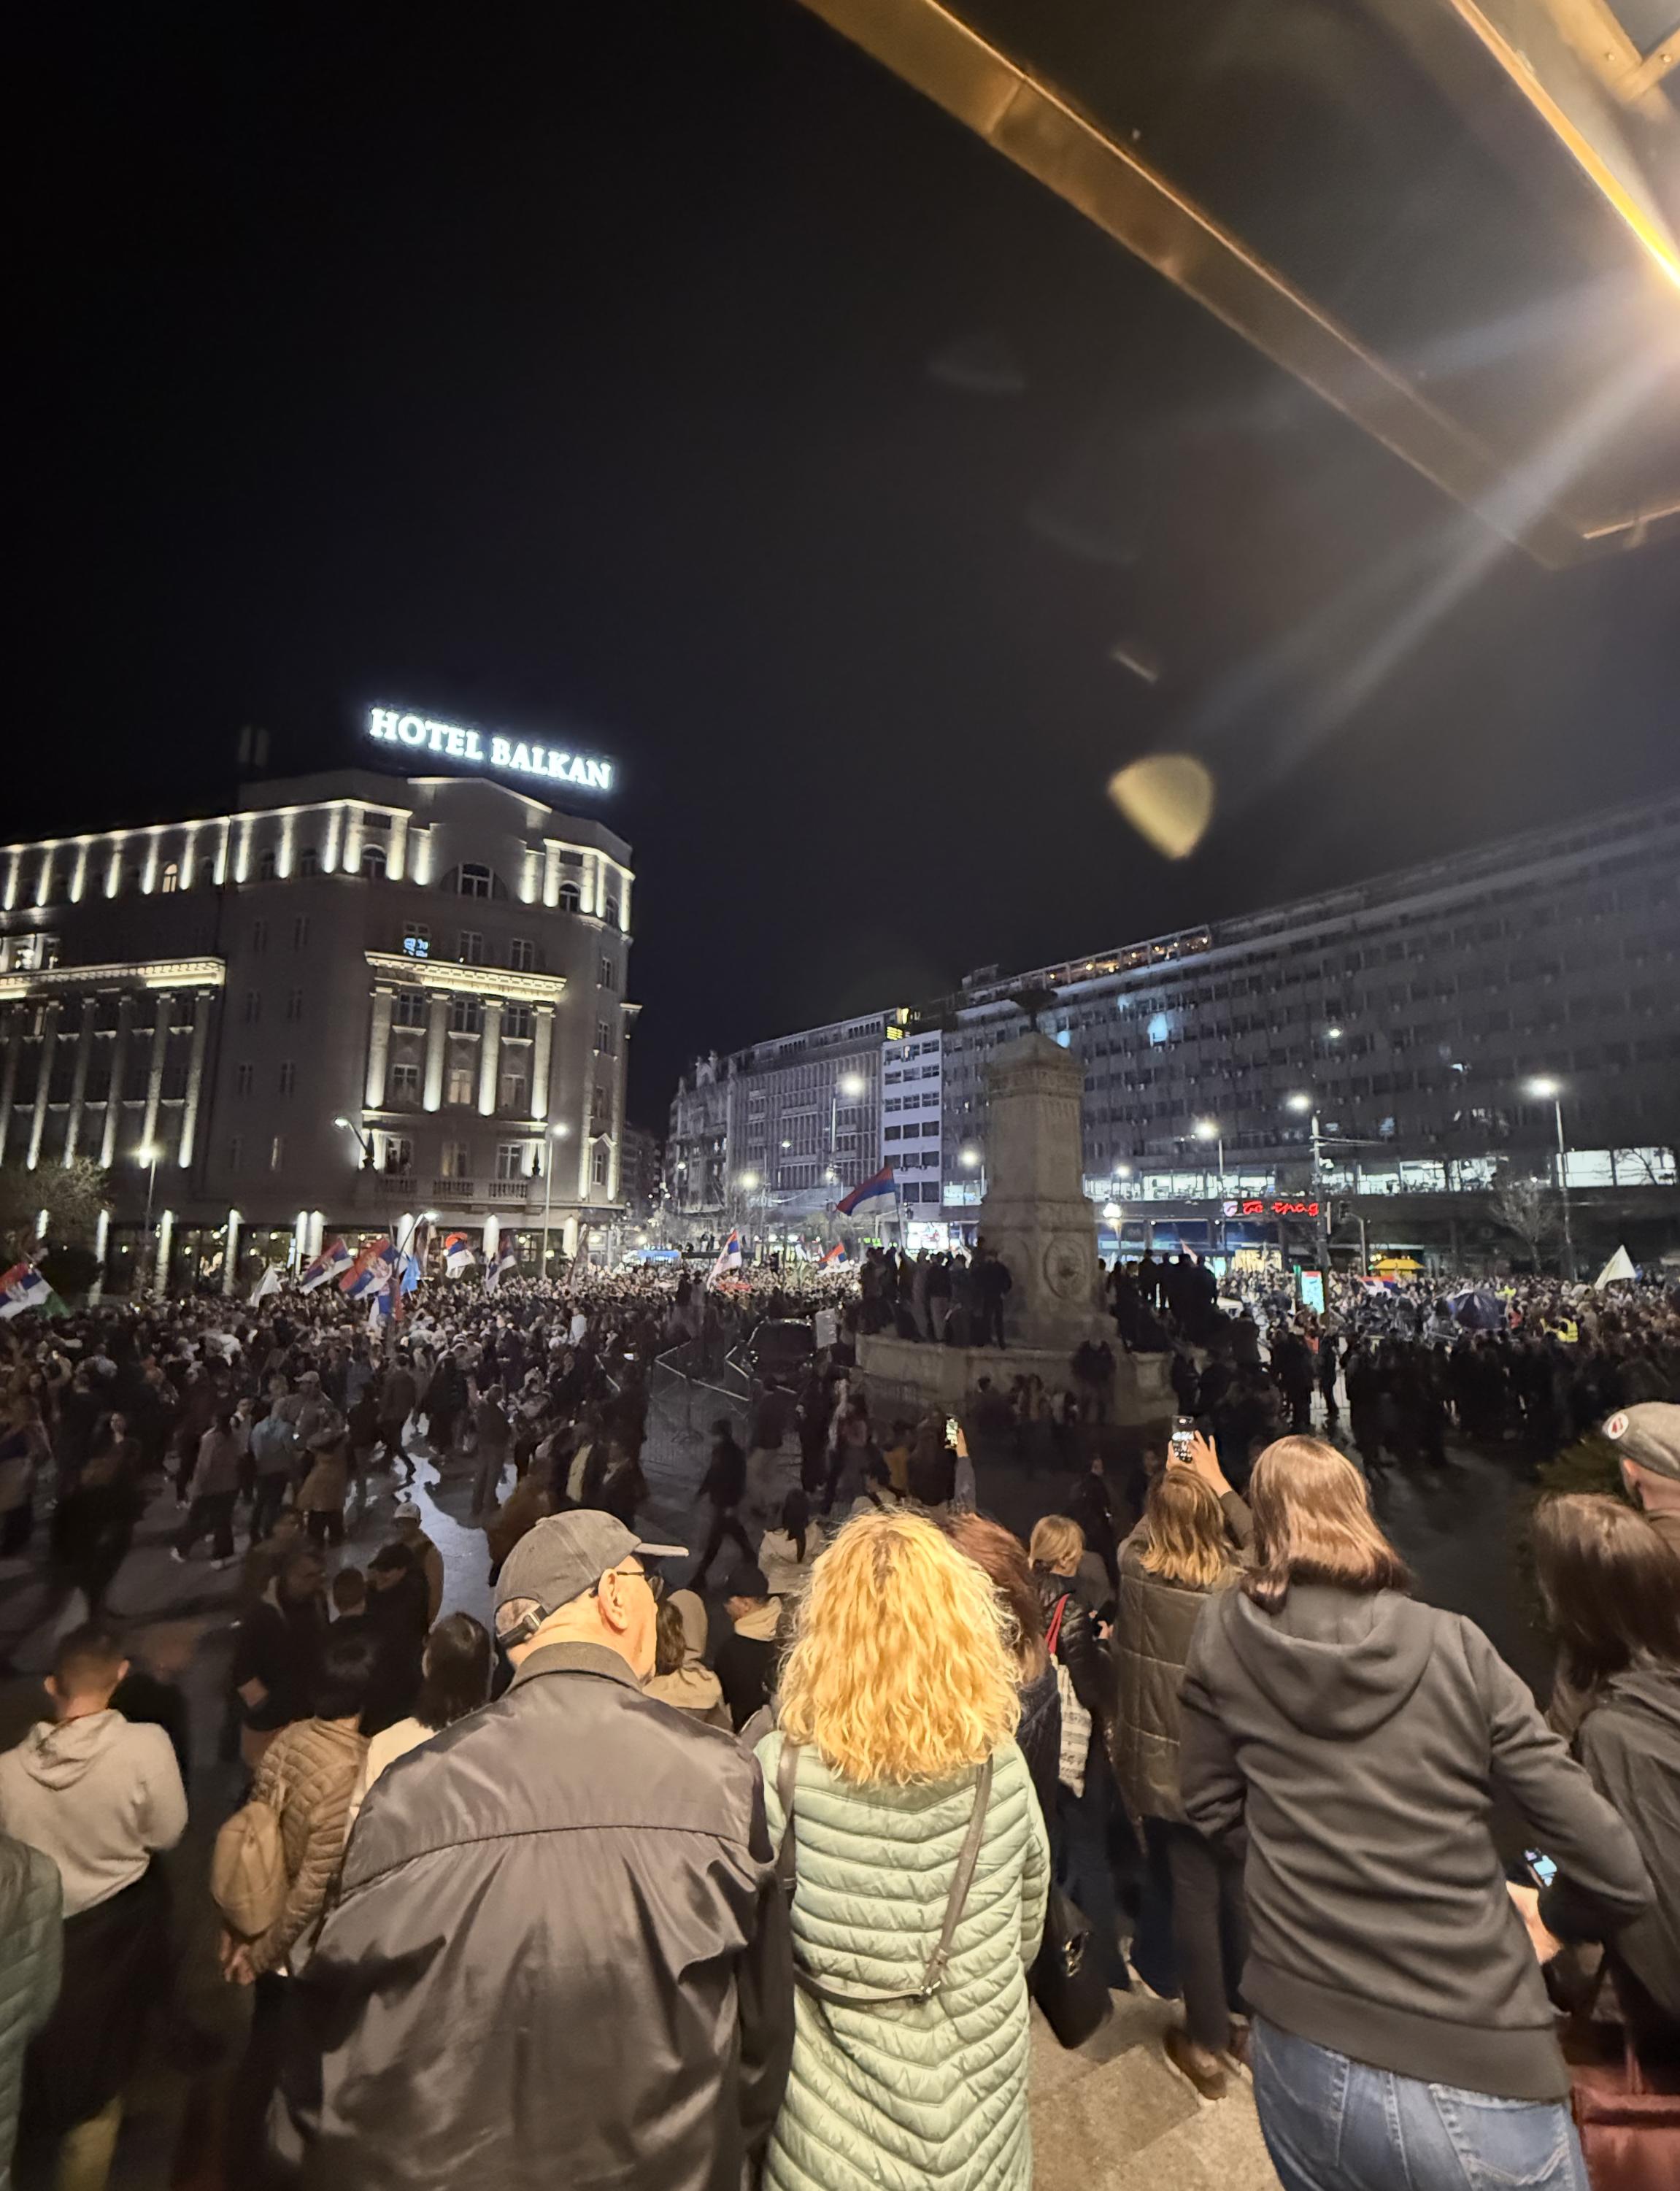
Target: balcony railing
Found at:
x=510, y=1190
x=380, y=1188
x=451, y=1190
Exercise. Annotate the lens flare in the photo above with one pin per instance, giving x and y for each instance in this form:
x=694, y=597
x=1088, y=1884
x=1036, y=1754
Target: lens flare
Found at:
x=1167, y=799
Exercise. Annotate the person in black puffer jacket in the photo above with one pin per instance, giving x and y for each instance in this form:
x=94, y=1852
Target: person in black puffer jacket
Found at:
x=1088, y=1817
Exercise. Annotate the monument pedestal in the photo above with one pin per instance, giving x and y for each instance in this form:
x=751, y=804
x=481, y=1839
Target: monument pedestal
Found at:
x=906, y=1377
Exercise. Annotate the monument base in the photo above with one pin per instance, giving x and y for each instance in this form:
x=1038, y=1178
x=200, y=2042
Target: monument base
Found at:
x=911, y=1376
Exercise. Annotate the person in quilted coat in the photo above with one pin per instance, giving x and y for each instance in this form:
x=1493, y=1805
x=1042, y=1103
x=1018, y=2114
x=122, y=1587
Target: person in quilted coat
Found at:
x=899, y=1703
x=32, y=1934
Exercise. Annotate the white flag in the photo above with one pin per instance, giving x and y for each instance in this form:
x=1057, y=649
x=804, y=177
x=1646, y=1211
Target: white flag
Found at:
x=268, y=1283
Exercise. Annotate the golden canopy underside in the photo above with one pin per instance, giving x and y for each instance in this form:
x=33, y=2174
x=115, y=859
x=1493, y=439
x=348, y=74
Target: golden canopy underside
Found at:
x=1454, y=220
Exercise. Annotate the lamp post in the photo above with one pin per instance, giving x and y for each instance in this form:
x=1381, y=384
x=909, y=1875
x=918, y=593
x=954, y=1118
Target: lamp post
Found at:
x=854, y=1086
x=555, y=1134
x=1209, y=1129
x=1307, y=1103
x=1546, y=1090
x=148, y=1156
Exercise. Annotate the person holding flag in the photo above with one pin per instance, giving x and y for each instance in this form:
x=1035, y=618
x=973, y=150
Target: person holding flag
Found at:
x=459, y=1254
x=333, y=1260
x=728, y=1262
x=21, y=1288
x=876, y=1197
x=501, y=1263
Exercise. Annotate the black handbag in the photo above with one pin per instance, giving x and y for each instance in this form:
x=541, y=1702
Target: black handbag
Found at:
x=1068, y=1989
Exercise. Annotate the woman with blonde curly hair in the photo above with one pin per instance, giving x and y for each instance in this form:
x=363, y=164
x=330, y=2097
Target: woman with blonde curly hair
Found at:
x=911, y=1839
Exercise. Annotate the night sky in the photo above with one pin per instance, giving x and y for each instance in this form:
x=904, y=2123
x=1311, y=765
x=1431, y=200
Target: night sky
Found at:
x=666, y=378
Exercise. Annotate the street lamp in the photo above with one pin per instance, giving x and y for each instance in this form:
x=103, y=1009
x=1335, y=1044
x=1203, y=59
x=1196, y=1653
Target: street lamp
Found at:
x=558, y=1133
x=854, y=1087
x=148, y=1155
x=1209, y=1129
x=1546, y=1090
x=1303, y=1102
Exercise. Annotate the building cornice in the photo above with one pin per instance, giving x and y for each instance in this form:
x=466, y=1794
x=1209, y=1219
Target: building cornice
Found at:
x=145, y=974
x=445, y=975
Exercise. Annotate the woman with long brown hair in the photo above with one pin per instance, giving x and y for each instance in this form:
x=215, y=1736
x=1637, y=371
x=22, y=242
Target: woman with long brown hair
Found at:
x=1402, y=2031
x=1612, y=1590
x=1004, y=1557
x=1188, y=1543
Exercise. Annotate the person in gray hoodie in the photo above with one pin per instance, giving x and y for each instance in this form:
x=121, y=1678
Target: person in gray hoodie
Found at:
x=1403, y=2036
x=101, y=1796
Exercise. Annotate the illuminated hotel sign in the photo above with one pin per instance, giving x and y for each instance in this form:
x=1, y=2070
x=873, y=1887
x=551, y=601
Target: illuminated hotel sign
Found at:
x=1283, y=1206
x=419, y=734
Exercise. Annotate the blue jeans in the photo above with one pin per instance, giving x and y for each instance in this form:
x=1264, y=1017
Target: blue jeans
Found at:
x=1333, y=2124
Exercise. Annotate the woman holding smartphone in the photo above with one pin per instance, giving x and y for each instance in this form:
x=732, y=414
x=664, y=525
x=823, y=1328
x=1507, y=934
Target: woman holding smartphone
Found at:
x=1402, y=2035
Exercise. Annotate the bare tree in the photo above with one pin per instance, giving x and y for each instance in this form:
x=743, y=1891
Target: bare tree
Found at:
x=72, y=1195
x=1527, y=1208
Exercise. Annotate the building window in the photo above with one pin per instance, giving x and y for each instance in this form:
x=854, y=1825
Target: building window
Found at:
x=411, y=1008
x=260, y=936
x=613, y=912
x=466, y=1015
x=265, y=874
x=598, y=1110
x=570, y=899
x=521, y=954
x=454, y=1160
x=417, y=940
x=300, y=931
x=254, y=1006
x=399, y=1152
x=288, y=1079
x=309, y=860
x=516, y=1022
x=405, y=1081
x=461, y=1079
x=373, y=862
x=170, y=881
x=603, y=1037
x=244, y=1080
x=510, y=1160
x=236, y=1153
x=515, y=1092
x=598, y=1169
x=474, y=881
x=276, y=1152
x=294, y=1004
x=472, y=948
x=205, y=875
x=608, y=978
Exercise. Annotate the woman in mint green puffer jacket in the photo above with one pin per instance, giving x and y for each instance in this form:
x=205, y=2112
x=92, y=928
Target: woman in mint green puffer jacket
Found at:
x=899, y=1699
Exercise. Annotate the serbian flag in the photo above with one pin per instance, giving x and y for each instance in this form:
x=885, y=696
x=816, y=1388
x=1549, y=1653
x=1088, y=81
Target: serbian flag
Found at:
x=728, y=1259
x=836, y=1255
x=458, y=1253
x=21, y=1288
x=874, y=1198
x=501, y=1263
x=371, y=1269
x=333, y=1258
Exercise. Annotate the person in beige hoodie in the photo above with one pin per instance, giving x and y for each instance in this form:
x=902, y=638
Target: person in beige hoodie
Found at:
x=681, y=1675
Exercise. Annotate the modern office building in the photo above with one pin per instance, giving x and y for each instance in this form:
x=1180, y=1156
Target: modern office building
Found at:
x=355, y=999
x=769, y=1135
x=1433, y=1021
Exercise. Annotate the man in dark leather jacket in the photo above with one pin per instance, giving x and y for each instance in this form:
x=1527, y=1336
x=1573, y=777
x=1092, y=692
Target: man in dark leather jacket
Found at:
x=560, y=1954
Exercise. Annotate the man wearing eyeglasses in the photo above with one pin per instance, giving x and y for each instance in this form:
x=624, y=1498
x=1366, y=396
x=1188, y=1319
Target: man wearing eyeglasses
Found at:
x=560, y=1954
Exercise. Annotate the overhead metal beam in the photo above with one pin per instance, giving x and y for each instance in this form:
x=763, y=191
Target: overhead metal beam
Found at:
x=1038, y=127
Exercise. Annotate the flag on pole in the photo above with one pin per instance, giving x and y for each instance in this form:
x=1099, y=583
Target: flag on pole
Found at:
x=333, y=1258
x=21, y=1288
x=459, y=1254
x=728, y=1258
x=500, y=1264
x=1619, y=1267
x=370, y=1270
x=268, y=1283
x=875, y=1198
x=836, y=1255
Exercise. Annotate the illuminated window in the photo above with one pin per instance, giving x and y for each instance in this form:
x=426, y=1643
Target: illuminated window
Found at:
x=170, y=881
x=461, y=1079
x=454, y=1160
x=399, y=1152
x=405, y=1081
x=417, y=940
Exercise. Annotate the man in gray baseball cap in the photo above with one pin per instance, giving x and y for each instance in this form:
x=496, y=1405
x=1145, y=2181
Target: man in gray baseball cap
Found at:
x=560, y=1953
x=1646, y=1439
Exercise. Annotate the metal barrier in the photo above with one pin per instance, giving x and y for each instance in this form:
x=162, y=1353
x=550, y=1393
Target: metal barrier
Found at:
x=683, y=1371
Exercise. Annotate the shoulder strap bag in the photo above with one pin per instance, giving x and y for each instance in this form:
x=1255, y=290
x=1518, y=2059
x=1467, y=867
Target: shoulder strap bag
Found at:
x=787, y=1873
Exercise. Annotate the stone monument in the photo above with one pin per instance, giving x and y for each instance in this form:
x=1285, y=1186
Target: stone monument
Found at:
x=1035, y=1216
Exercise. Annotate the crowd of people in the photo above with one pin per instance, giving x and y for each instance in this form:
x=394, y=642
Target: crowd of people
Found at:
x=744, y=1860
